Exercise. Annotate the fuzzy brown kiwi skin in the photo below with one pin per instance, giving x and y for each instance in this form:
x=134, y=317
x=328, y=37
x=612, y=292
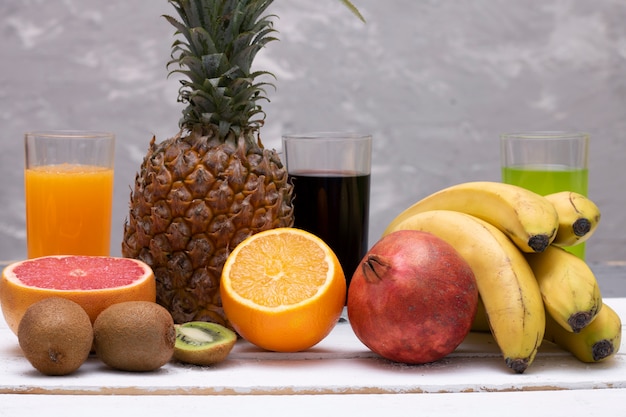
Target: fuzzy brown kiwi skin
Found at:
x=56, y=336
x=136, y=336
x=202, y=354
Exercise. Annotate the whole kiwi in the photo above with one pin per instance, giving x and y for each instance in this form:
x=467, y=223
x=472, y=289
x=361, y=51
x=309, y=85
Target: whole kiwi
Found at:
x=55, y=335
x=134, y=336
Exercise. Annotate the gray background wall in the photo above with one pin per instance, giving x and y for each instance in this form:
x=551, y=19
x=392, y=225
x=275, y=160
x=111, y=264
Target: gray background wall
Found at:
x=435, y=82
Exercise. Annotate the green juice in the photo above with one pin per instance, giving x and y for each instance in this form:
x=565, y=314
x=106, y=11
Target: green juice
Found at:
x=547, y=180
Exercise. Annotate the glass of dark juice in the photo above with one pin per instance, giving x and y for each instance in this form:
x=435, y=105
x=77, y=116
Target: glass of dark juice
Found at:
x=331, y=172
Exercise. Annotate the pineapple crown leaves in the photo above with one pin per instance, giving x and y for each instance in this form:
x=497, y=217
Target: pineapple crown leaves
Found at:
x=220, y=39
x=353, y=9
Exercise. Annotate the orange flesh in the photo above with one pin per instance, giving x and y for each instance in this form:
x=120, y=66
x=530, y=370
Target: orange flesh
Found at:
x=283, y=289
x=278, y=273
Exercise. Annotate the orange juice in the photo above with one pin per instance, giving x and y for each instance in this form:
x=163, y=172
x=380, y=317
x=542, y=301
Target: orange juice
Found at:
x=68, y=209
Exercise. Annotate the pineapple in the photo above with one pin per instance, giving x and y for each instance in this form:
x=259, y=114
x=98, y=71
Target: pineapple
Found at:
x=200, y=193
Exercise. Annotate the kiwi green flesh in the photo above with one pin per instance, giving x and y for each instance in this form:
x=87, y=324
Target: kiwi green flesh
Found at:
x=203, y=343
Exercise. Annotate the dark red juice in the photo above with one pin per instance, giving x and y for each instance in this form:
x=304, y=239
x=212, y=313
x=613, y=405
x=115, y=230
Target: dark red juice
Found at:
x=335, y=207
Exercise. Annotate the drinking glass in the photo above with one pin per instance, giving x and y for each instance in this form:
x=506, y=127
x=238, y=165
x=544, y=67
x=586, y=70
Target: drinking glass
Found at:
x=68, y=181
x=331, y=177
x=547, y=162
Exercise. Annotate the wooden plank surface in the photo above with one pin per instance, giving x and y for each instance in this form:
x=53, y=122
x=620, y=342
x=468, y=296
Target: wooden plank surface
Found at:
x=338, y=375
x=587, y=403
x=340, y=364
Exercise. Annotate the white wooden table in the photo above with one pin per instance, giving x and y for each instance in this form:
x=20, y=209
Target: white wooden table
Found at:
x=338, y=376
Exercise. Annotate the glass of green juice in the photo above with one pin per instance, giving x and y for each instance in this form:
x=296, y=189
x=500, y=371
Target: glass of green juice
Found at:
x=547, y=162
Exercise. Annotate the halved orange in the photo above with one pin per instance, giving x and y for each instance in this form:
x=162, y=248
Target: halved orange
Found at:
x=283, y=289
x=94, y=282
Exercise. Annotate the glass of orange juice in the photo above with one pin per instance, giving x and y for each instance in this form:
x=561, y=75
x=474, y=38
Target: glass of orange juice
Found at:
x=69, y=192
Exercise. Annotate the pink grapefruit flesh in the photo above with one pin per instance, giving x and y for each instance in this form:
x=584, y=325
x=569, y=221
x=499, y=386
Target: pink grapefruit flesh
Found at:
x=94, y=282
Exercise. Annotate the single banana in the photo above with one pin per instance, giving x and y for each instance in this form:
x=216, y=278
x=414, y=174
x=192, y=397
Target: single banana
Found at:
x=526, y=217
x=578, y=217
x=506, y=284
x=570, y=291
x=600, y=340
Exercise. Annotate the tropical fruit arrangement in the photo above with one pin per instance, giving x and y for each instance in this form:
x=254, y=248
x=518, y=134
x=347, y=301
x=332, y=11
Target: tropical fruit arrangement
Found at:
x=283, y=290
x=200, y=193
x=445, y=266
x=62, y=308
x=210, y=254
x=196, y=197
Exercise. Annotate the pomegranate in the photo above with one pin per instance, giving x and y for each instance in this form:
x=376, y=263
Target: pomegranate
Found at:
x=413, y=298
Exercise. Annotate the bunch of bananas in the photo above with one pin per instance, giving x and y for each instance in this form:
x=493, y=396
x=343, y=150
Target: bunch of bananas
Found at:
x=531, y=289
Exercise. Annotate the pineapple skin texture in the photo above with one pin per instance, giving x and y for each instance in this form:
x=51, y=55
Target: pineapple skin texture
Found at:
x=195, y=198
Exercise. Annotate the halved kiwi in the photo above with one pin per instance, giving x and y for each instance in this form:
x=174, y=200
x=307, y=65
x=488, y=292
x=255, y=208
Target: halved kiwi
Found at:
x=203, y=343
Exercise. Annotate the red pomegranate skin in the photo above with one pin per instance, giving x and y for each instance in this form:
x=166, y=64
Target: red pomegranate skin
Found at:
x=413, y=298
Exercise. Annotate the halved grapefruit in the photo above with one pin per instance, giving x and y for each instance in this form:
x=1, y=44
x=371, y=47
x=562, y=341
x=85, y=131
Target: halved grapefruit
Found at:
x=94, y=282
